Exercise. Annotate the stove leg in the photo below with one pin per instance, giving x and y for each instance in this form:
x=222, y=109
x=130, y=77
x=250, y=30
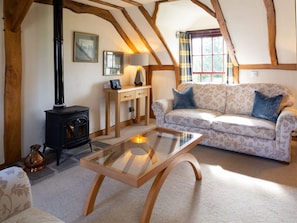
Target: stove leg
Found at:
x=91, y=146
x=58, y=155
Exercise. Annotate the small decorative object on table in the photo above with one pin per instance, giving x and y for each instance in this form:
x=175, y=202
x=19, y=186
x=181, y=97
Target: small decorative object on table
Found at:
x=115, y=84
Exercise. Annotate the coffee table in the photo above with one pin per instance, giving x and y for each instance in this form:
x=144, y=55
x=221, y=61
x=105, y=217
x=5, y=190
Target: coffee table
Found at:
x=136, y=160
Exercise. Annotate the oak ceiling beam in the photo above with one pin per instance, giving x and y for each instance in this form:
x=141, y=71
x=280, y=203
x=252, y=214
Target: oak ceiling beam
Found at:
x=137, y=4
x=205, y=7
x=268, y=66
x=224, y=30
x=157, y=31
x=102, y=13
x=107, y=4
x=127, y=16
x=18, y=14
x=271, y=25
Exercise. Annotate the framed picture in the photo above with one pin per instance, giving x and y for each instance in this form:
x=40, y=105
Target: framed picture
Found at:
x=113, y=63
x=85, y=47
x=115, y=84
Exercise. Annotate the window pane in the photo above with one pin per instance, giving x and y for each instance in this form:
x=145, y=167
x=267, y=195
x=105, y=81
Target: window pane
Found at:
x=207, y=45
x=196, y=63
x=217, y=78
x=206, y=78
x=217, y=45
x=207, y=63
x=218, y=63
x=196, y=77
x=196, y=46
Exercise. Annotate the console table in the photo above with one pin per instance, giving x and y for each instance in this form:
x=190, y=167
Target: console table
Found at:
x=125, y=94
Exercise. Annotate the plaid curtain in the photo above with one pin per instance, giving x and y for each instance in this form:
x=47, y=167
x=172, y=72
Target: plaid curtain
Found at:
x=185, y=60
x=230, y=75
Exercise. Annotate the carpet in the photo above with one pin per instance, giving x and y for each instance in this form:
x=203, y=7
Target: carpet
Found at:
x=234, y=188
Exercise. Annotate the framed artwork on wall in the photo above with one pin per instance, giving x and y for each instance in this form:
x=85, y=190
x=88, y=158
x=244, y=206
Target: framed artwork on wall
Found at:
x=85, y=47
x=113, y=63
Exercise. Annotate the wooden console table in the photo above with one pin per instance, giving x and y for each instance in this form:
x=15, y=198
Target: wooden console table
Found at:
x=125, y=94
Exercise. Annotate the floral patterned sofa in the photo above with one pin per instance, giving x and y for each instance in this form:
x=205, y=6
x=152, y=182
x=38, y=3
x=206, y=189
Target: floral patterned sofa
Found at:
x=224, y=114
x=16, y=199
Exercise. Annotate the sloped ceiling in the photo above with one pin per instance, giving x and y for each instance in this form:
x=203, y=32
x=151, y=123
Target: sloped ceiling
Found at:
x=246, y=22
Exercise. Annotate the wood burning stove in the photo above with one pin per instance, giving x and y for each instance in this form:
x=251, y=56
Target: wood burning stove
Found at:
x=66, y=128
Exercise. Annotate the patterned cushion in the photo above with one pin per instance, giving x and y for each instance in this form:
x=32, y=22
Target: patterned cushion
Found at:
x=207, y=96
x=266, y=107
x=183, y=99
x=199, y=118
x=244, y=125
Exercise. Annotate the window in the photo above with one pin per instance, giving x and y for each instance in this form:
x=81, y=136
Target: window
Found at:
x=209, y=56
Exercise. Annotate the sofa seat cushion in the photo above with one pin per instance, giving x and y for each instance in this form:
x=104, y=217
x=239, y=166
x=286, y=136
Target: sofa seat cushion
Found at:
x=31, y=215
x=199, y=118
x=244, y=125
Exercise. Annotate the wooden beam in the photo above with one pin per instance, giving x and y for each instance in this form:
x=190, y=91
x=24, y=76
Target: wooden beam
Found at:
x=102, y=13
x=268, y=66
x=20, y=11
x=132, y=2
x=205, y=7
x=224, y=31
x=146, y=43
x=157, y=31
x=271, y=25
x=107, y=4
x=236, y=75
x=14, y=12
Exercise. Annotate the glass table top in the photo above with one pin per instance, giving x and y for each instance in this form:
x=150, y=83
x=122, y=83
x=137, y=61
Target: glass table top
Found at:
x=133, y=159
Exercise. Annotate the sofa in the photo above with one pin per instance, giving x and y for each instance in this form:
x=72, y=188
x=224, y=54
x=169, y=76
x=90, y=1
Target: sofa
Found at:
x=230, y=116
x=16, y=199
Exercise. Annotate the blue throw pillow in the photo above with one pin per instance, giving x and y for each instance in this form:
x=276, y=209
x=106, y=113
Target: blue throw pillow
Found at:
x=266, y=107
x=183, y=99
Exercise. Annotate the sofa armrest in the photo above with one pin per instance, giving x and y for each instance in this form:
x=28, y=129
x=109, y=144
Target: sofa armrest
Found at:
x=15, y=192
x=160, y=108
x=286, y=123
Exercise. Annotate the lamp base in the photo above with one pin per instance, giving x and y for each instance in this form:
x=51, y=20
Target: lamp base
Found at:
x=138, y=78
x=138, y=84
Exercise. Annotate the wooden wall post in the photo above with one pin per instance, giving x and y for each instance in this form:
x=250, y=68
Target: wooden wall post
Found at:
x=14, y=13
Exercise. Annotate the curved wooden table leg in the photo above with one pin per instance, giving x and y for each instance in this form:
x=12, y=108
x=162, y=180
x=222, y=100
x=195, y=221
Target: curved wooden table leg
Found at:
x=89, y=204
x=161, y=177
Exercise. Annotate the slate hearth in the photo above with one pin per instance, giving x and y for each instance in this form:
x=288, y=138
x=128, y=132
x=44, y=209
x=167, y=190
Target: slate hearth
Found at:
x=68, y=159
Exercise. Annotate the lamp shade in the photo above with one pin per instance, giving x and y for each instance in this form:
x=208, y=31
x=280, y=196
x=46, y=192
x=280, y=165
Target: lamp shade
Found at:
x=140, y=59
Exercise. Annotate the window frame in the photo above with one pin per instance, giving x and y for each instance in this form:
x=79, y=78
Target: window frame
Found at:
x=209, y=33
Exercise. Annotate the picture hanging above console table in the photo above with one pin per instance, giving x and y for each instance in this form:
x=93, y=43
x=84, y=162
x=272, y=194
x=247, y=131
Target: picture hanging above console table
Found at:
x=113, y=63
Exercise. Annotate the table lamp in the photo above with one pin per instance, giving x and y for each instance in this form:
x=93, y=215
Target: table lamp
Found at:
x=139, y=60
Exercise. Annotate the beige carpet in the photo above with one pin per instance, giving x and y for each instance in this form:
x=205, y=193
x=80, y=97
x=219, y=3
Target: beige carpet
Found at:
x=235, y=188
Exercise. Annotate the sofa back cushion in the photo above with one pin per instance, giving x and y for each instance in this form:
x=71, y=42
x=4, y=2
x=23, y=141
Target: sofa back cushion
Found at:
x=207, y=96
x=240, y=98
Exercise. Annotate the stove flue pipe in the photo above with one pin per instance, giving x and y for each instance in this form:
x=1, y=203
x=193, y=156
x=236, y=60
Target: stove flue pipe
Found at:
x=58, y=53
